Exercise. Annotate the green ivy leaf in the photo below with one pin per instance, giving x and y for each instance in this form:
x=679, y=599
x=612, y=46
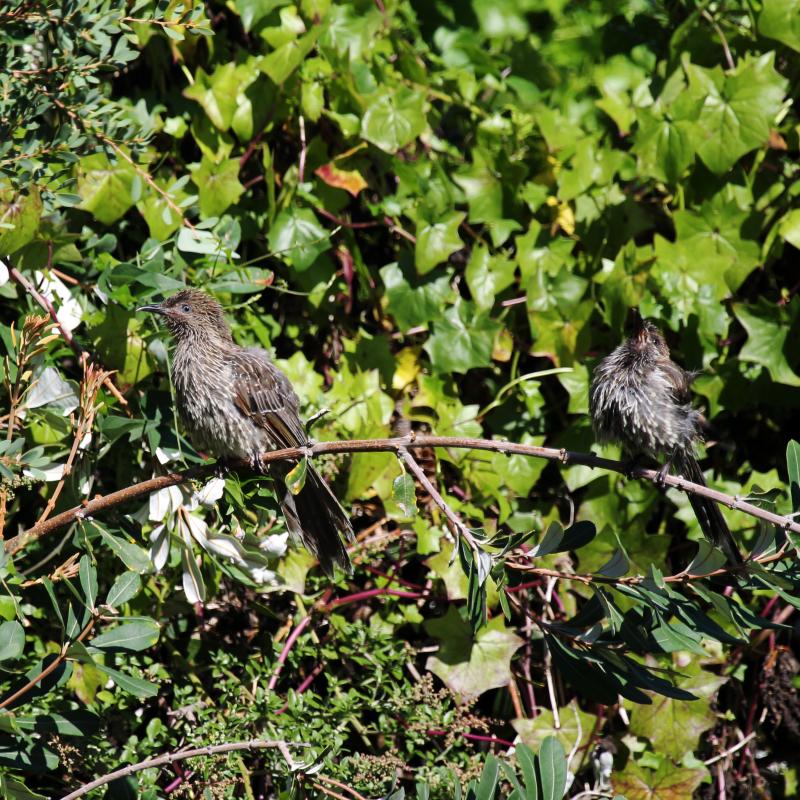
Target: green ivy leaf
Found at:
x=780, y=20
x=218, y=185
x=162, y=219
x=437, y=241
x=281, y=63
x=105, y=188
x=216, y=93
x=769, y=342
x=19, y=215
x=575, y=727
x=738, y=108
x=394, y=120
x=412, y=306
x=487, y=276
x=674, y=726
x=297, y=237
x=665, y=147
x=462, y=339
x=668, y=782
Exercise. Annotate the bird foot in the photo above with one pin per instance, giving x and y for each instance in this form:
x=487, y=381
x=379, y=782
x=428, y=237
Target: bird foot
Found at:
x=256, y=464
x=660, y=479
x=222, y=467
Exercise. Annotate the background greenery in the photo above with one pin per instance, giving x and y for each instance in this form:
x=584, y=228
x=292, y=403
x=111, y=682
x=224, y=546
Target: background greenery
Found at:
x=423, y=209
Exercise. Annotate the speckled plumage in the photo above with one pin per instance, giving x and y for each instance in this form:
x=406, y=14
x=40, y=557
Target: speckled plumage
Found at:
x=641, y=399
x=235, y=403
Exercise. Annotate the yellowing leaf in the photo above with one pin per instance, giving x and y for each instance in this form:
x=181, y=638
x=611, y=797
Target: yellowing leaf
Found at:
x=350, y=180
x=470, y=666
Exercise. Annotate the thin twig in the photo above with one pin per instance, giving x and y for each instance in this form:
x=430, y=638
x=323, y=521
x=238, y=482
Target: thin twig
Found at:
x=565, y=457
x=169, y=758
x=731, y=750
x=93, y=376
x=728, y=57
x=287, y=646
x=301, y=166
x=341, y=785
x=459, y=528
x=47, y=306
x=50, y=668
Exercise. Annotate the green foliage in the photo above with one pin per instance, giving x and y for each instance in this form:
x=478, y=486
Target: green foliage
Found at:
x=436, y=216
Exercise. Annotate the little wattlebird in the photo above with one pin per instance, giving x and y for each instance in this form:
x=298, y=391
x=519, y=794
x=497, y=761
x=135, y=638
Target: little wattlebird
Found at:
x=640, y=399
x=236, y=404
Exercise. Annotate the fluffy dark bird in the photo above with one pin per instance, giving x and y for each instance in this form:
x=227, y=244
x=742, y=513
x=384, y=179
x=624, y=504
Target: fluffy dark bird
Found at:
x=235, y=404
x=640, y=399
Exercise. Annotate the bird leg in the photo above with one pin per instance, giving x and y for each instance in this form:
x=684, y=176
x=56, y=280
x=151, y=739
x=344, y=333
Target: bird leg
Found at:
x=660, y=479
x=222, y=467
x=256, y=464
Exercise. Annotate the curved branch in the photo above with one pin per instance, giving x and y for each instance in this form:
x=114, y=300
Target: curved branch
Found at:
x=169, y=758
x=396, y=445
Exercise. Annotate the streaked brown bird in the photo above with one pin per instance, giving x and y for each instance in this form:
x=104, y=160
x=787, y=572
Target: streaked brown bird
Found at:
x=640, y=399
x=236, y=404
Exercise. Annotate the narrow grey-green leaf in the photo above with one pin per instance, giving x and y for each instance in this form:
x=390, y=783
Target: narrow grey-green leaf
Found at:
x=133, y=636
x=12, y=640
x=88, y=576
x=404, y=493
x=552, y=769
x=793, y=466
x=130, y=684
x=125, y=587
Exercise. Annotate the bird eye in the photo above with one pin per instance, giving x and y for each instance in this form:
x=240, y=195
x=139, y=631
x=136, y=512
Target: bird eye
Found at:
x=186, y=308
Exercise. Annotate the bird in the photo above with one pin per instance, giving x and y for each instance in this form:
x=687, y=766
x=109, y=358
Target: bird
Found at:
x=640, y=399
x=236, y=404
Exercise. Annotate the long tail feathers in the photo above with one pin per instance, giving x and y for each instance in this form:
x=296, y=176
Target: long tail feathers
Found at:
x=707, y=511
x=315, y=516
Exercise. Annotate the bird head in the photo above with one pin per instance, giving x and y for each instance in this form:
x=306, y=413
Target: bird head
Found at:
x=645, y=336
x=192, y=314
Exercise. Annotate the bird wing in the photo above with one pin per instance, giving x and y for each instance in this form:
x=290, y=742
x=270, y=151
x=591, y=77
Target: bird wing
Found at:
x=679, y=379
x=263, y=393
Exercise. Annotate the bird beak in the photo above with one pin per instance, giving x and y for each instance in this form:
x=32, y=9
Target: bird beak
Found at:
x=154, y=309
x=637, y=322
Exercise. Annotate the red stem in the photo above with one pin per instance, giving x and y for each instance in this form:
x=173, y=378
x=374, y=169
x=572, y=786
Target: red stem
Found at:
x=395, y=578
x=477, y=737
x=353, y=598
x=290, y=640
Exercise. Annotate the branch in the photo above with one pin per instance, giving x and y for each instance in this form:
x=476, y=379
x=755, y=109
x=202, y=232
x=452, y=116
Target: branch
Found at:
x=458, y=527
x=169, y=758
x=51, y=667
x=396, y=445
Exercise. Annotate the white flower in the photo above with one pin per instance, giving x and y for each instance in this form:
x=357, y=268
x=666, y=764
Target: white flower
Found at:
x=261, y=574
x=275, y=544
x=68, y=308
